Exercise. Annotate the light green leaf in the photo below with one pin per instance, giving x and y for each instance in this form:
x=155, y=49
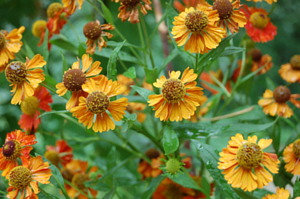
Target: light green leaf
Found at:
x=143, y=92
x=170, y=140
x=106, y=13
x=62, y=42
x=131, y=73
x=232, y=50
x=112, y=63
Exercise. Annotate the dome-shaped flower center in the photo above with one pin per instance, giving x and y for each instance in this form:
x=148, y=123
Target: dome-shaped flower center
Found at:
x=53, y=9
x=30, y=105
x=73, y=79
x=79, y=179
x=15, y=72
x=38, y=28
x=296, y=148
x=295, y=62
x=2, y=41
x=259, y=20
x=173, y=90
x=66, y=174
x=249, y=155
x=19, y=177
x=53, y=157
x=11, y=150
x=256, y=55
x=282, y=94
x=173, y=166
x=152, y=153
x=224, y=8
x=130, y=3
x=196, y=20
x=92, y=30
x=97, y=102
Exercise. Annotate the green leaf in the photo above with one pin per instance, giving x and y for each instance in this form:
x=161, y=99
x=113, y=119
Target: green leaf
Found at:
x=244, y=194
x=151, y=75
x=131, y=73
x=124, y=56
x=297, y=188
x=143, y=92
x=62, y=42
x=153, y=186
x=44, y=46
x=170, y=140
x=112, y=63
x=106, y=13
x=232, y=50
x=49, y=83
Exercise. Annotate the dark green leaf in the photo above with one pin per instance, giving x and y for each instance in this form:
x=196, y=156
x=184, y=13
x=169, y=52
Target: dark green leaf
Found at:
x=297, y=188
x=170, y=140
x=63, y=42
x=152, y=186
x=112, y=63
x=131, y=73
x=106, y=13
x=232, y=50
x=143, y=92
x=151, y=75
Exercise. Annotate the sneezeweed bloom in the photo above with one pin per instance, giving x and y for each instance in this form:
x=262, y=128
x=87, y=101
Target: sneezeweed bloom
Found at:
x=230, y=15
x=92, y=110
x=129, y=9
x=71, y=5
x=151, y=169
x=25, y=77
x=75, y=77
x=291, y=156
x=259, y=60
x=31, y=107
x=10, y=44
x=60, y=154
x=39, y=29
x=259, y=27
x=180, y=7
x=195, y=29
x=94, y=32
x=17, y=145
x=23, y=180
x=290, y=72
x=275, y=103
x=245, y=165
x=281, y=193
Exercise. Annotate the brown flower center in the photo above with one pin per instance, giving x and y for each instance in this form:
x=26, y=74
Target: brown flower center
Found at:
x=53, y=157
x=256, y=55
x=152, y=153
x=97, y=102
x=30, y=105
x=296, y=148
x=282, y=94
x=130, y=3
x=173, y=90
x=92, y=30
x=295, y=62
x=2, y=41
x=11, y=150
x=259, y=20
x=224, y=8
x=78, y=180
x=249, y=155
x=73, y=79
x=53, y=9
x=19, y=177
x=15, y=72
x=66, y=173
x=196, y=21
x=38, y=28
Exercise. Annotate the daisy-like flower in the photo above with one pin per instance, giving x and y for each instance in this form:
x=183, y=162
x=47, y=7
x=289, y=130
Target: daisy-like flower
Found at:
x=245, y=164
x=29, y=120
x=179, y=97
x=95, y=32
x=259, y=27
x=75, y=77
x=129, y=9
x=290, y=72
x=268, y=1
x=180, y=7
x=151, y=169
x=92, y=109
x=230, y=15
x=291, y=156
x=281, y=193
x=259, y=60
x=39, y=29
x=275, y=103
x=17, y=145
x=9, y=45
x=71, y=5
x=25, y=77
x=23, y=180
x=196, y=29
x=60, y=154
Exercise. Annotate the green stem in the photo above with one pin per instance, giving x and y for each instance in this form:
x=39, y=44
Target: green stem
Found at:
x=148, y=43
x=142, y=40
x=196, y=62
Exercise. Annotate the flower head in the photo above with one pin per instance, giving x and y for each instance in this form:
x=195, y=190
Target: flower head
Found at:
x=60, y=154
x=291, y=156
x=71, y=5
x=259, y=60
x=179, y=97
x=245, y=165
x=10, y=43
x=275, y=103
x=290, y=72
x=39, y=29
x=151, y=169
x=281, y=193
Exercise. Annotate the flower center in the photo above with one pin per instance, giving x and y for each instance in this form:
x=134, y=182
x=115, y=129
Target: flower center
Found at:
x=256, y=55
x=66, y=174
x=173, y=166
x=73, y=79
x=11, y=150
x=130, y=3
x=19, y=177
x=249, y=155
x=195, y=21
x=38, y=28
x=15, y=72
x=259, y=20
x=295, y=61
x=78, y=180
x=173, y=90
x=92, y=30
x=152, y=153
x=97, y=102
x=2, y=41
x=282, y=94
x=53, y=157
x=53, y=9
x=30, y=105
x=296, y=148
x=224, y=8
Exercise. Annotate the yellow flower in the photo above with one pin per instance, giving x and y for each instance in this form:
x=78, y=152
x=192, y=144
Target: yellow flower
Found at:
x=291, y=156
x=196, y=29
x=71, y=5
x=179, y=97
x=245, y=165
x=281, y=193
x=290, y=72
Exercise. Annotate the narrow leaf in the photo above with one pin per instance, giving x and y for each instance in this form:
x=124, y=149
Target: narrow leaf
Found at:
x=112, y=63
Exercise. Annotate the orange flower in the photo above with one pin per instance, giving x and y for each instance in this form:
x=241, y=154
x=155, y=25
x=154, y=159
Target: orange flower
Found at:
x=59, y=154
x=79, y=174
x=205, y=78
x=275, y=103
x=9, y=45
x=17, y=145
x=75, y=77
x=290, y=72
x=245, y=164
x=281, y=193
x=179, y=97
x=25, y=77
x=195, y=29
x=129, y=9
x=151, y=169
x=126, y=83
x=92, y=109
x=291, y=156
x=41, y=98
x=180, y=7
x=259, y=61
x=23, y=180
x=71, y=5
x=268, y=1
x=259, y=26
x=94, y=32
